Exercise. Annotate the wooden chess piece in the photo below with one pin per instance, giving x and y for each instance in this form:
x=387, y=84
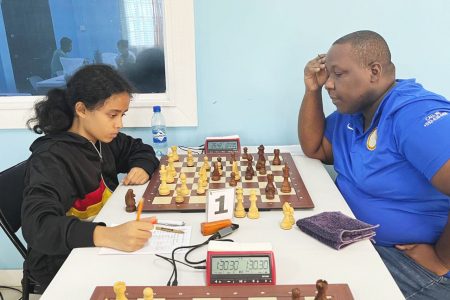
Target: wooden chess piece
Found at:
x=245, y=155
x=163, y=189
x=270, y=184
x=200, y=186
x=239, y=211
x=120, y=289
x=233, y=157
x=179, y=197
x=190, y=159
x=206, y=163
x=232, y=181
x=286, y=222
x=219, y=164
x=170, y=175
x=171, y=166
x=184, y=188
x=286, y=186
x=130, y=201
x=236, y=171
x=261, y=159
x=174, y=153
x=295, y=294
x=148, y=293
x=215, y=175
x=322, y=287
x=249, y=172
x=291, y=214
x=253, y=212
x=276, y=159
x=262, y=169
x=270, y=194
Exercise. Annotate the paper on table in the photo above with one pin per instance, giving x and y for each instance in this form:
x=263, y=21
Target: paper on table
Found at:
x=161, y=242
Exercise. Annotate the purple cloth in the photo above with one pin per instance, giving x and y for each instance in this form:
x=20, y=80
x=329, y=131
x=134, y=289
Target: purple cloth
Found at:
x=336, y=229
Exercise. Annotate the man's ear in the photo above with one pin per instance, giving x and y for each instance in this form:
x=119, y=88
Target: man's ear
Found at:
x=80, y=109
x=375, y=71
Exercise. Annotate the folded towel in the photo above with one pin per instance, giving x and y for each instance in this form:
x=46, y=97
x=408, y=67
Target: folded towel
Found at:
x=336, y=229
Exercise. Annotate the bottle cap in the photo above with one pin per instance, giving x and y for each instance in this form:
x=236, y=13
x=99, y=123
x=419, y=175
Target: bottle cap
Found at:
x=156, y=108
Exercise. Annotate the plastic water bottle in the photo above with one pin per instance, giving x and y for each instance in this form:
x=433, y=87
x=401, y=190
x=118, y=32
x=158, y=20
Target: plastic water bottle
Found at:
x=159, y=132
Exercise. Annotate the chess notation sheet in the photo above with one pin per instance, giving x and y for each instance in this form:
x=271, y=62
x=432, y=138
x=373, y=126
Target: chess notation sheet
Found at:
x=161, y=242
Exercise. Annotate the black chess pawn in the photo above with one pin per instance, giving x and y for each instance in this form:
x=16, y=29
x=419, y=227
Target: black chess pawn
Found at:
x=276, y=159
x=233, y=181
x=296, y=294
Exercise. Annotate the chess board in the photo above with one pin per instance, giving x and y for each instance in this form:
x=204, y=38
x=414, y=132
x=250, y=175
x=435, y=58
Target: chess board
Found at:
x=298, y=197
x=266, y=292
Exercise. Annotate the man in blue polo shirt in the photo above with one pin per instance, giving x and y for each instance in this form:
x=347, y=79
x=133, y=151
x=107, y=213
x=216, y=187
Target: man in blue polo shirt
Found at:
x=389, y=141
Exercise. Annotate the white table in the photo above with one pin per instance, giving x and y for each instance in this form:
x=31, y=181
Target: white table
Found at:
x=300, y=259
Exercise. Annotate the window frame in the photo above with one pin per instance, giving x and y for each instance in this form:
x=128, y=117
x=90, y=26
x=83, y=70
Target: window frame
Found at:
x=180, y=100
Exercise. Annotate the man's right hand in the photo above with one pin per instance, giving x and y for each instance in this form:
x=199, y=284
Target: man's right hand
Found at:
x=315, y=73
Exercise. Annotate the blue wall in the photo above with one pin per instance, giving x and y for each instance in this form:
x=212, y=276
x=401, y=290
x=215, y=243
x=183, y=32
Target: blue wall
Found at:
x=250, y=59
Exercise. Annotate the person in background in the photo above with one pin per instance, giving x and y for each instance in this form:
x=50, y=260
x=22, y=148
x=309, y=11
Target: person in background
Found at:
x=63, y=51
x=73, y=170
x=390, y=146
x=126, y=58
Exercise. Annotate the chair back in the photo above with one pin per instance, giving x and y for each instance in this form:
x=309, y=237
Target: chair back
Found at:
x=71, y=65
x=11, y=196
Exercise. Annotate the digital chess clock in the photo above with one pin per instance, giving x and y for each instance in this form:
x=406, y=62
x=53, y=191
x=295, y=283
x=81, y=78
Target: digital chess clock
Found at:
x=230, y=263
x=223, y=144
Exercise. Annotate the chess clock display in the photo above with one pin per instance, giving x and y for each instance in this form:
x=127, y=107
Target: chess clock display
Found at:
x=224, y=144
x=240, y=264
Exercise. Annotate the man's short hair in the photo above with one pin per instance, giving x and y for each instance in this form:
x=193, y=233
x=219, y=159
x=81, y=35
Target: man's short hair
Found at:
x=65, y=41
x=368, y=46
x=122, y=43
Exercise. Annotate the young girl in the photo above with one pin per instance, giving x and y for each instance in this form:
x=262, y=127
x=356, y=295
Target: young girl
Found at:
x=73, y=170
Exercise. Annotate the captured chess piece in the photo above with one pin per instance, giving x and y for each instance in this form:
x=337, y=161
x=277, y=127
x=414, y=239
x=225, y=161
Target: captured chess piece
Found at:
x=245, y=155
x=120, y=289
x=286, y=223
x=276, y=159
x=322, y=287
x=130, y=201
x=286, y=186
x=296, y=294
x=239, y=211
x=148, y=293
x=253, y=212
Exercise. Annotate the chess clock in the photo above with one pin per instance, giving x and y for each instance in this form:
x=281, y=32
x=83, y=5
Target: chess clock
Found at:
x=223, y=144
x=230, y=263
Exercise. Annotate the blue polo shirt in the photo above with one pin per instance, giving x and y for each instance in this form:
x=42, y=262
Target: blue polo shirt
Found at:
x=384, y=173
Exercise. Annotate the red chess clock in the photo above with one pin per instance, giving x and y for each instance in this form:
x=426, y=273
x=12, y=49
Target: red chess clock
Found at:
x=240, y=264
x=223, y=144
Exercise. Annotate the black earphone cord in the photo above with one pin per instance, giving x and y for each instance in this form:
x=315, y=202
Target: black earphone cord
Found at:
x=187, y=262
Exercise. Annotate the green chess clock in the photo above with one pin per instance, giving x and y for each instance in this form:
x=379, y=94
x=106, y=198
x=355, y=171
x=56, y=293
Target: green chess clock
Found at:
x=224, y=144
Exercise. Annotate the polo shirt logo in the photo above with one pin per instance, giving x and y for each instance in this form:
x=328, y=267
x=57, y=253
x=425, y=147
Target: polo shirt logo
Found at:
x=372, y=140
x=430, y=119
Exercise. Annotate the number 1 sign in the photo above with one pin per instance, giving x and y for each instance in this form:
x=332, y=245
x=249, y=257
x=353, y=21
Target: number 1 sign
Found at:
x=220, y=204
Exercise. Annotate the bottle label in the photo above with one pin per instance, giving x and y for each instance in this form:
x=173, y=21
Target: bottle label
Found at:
x=159, y=136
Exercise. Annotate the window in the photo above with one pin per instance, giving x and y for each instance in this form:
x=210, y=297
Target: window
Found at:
x=179, y=98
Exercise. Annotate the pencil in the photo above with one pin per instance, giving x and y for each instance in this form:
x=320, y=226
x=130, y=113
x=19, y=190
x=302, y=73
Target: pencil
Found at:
x=169, y=229
x=139, y=209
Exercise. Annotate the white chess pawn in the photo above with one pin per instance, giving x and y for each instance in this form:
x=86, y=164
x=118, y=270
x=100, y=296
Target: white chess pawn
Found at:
x=206, y=163
x=239, y=211
x=253, y=212
x=190, y=159
x=148, y=293
x=184, y=188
